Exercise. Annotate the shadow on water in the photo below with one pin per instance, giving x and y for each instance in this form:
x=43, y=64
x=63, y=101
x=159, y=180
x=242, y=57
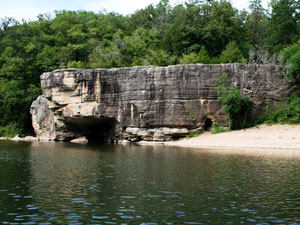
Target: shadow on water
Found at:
x=113, y=184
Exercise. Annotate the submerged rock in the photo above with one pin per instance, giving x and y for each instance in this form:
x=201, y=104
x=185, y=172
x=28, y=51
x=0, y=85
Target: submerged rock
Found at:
x=145, y=103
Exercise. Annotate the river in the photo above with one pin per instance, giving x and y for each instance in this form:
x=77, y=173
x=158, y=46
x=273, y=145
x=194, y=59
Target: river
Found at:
x=64, y=183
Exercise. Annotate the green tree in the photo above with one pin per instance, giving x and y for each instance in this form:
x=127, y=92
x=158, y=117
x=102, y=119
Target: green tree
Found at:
x=160, y=58
x=177, y=36
x=231, y=53
x=222, y=26
x=283, y=24
x=140, y=44
x=291, y=58
x=106, y=56
x=236, y=105
x=200, y=57
x=256, y=24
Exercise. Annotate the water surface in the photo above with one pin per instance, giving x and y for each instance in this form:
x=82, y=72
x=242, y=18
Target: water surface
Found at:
x=63, y=183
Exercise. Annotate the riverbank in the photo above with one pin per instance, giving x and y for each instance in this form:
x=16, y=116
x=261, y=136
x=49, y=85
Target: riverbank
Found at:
x=262, y=137
x=19, y=138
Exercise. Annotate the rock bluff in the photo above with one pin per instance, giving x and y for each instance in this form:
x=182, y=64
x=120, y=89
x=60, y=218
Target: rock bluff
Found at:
x=145, y=103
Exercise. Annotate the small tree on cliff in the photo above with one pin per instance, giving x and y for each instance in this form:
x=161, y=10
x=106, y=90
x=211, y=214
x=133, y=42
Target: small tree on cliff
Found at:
x=236, y=104
x=291, y=57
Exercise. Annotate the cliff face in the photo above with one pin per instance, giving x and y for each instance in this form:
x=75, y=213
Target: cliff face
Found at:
x=144, y=103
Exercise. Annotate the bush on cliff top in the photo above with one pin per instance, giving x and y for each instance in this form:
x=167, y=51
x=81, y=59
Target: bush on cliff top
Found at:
x=291, y=57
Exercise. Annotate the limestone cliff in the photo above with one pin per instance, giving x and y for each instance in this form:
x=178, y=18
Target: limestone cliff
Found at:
x=144, y=103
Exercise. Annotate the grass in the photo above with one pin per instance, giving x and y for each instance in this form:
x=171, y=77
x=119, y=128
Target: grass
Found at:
x=10, y=130
x=288, y=112
x=218, y=129
x=194, y=134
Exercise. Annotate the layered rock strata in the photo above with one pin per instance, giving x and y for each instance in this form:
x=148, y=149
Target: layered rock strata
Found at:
x=145, y=103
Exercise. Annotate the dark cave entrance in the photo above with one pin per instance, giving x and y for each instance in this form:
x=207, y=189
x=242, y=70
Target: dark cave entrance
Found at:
x=99, y=130
x=208, y=124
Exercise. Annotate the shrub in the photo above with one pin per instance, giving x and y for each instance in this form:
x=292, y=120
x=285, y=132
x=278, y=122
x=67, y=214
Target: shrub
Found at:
x=236, y=105
x=76, y=64
x=291, y=57
x=189, y=58
x=194, y=134
x=218, y=129
x=288, y=112
x=200, y=57
x=10, y=130
x=231, y=54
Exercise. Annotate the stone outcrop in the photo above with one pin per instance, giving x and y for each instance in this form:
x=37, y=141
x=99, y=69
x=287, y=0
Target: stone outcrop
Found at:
x=144, y=103
x=81, y=140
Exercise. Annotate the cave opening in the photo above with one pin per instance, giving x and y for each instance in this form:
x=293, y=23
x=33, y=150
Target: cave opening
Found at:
x=208, y=124
x=96, y=130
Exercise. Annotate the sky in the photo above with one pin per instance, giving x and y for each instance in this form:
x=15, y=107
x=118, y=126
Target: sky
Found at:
x=30, y=9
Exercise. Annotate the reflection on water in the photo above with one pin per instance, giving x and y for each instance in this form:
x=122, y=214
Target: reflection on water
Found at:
x=63, y=183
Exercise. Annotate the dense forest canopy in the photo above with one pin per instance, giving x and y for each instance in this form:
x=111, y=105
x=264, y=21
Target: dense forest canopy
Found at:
x=195, y=32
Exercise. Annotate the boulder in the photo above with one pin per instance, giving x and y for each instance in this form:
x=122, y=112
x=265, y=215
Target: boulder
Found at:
x=30, y=138
x=80, y=140
x=17, y=138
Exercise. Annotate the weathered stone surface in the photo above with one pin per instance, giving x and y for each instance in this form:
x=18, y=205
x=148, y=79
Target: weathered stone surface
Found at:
x=17, y=138
x=30, y=139
x=43, y=118
x=81, y=140
x=4, y=138
x=144, y=103
x=153, y=134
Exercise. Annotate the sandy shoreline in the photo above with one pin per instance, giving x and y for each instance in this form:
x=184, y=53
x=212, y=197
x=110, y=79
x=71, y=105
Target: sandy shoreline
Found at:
x=262, y=138
x=271, y=141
